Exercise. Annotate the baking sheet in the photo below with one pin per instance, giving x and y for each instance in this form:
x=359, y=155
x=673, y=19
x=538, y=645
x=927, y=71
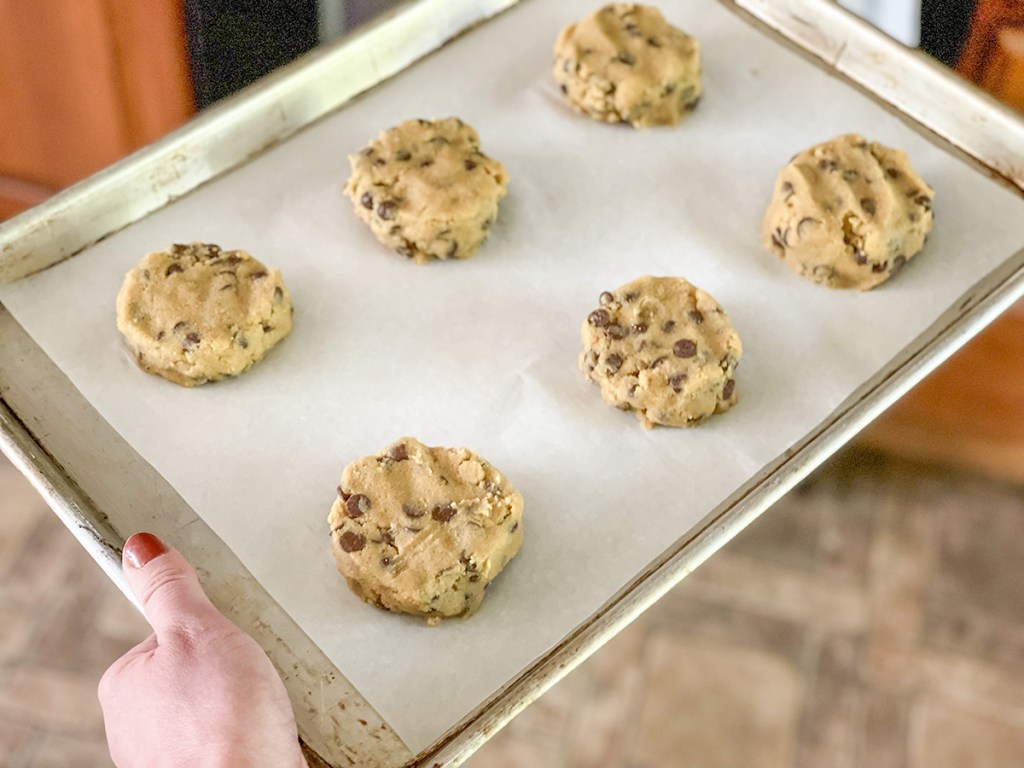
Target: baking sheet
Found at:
x=483, y=353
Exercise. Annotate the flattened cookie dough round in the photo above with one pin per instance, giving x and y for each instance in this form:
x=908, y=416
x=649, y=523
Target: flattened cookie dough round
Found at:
x=426, y=190
x=196, y=313
x=848, y=213
x=424, y=530
x=626, y=64
x=664, y=349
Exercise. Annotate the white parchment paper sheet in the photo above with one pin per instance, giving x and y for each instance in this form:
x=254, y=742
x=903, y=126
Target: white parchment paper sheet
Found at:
x=483, y=353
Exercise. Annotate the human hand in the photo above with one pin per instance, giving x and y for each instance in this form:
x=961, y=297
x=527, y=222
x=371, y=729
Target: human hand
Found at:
x=199, y=692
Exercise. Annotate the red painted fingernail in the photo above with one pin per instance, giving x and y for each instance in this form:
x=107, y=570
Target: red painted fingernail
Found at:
x=141, y=548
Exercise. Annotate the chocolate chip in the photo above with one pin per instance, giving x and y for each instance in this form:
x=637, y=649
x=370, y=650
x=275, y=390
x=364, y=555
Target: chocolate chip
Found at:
x=386, y=210
x=632, y=30
x=343, y=494
x=173, y=269
x=898, y=263
x=191, y=339
x=606, y=299
x=514, y=528
x=696, y=316
x=426, y=163
x=684, y=348
x=565, y=89
x=630, y=297
x=403, y=155
x=412, y=511
x=357, y=505
x=859, y=256
x=786, y=188
x=827, y=165
x=893, y=173
x=653, y=42
x=258, y=275
x=879, y=267
x=367, y=201
x=398, y=452
x=179, y=326
x=267, y=327
x=242, y=342
x=613, y=362
x=730, y=386
x=487, y=224
x=351, y=541
x=469, y=165
x=616, y=331
x=385, y=562
x=658, y=361
x=925, y=201
x=668, y=326
x=868, y=204
x=599, y=318
x=677, y=381
x=443, y=513
x=639, y=328
x=626, y=58
x=178, y=249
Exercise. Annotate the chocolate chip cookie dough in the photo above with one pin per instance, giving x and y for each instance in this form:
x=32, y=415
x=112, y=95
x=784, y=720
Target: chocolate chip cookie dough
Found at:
x=848, y=213
x=426, y=190
x=196, y=313
x=664, y=349
x=626, y=64
x=424, y=530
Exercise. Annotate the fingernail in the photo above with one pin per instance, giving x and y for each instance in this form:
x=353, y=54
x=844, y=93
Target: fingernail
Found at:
x=141, y=548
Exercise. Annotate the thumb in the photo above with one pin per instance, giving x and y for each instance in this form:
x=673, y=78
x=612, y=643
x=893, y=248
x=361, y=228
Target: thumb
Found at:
x=165, y=585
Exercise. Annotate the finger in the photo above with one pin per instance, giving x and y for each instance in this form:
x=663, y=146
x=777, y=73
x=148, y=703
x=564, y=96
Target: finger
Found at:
x=165, y=584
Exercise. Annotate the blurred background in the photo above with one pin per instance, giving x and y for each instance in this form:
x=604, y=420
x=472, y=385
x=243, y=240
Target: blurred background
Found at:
x=874, y=617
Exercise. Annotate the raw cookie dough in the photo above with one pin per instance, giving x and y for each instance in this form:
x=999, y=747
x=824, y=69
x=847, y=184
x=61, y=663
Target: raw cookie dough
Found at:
x=196, y=313
x=626, y=64
x=664, y=349
x=426, y=190
x=424, y=530
x=848, y=213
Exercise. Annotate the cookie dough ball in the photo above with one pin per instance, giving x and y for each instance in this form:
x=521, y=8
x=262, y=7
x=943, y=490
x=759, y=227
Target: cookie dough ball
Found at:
x=426, y=190
x=196, y=313
x=626, y=64
x=664, y=349
x=848, y=213
x=424, y=530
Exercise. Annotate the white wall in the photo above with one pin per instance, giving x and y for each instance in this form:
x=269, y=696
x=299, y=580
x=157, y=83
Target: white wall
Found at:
x=899, y=18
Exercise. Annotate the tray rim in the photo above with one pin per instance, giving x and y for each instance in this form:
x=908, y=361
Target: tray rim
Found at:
x=26, y=245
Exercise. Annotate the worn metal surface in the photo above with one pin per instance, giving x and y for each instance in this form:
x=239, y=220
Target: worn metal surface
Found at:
x=104, y=491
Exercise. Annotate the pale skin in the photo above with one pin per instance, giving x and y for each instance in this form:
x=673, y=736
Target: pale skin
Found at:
x=198, y=692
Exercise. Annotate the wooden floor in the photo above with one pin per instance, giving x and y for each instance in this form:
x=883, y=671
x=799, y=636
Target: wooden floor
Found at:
x=873, y=618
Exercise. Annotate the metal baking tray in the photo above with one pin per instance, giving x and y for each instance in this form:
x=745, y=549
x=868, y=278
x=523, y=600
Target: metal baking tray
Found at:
x=65, y=447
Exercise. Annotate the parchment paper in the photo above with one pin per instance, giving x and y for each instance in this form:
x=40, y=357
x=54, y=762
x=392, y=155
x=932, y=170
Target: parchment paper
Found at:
x=483, y=353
